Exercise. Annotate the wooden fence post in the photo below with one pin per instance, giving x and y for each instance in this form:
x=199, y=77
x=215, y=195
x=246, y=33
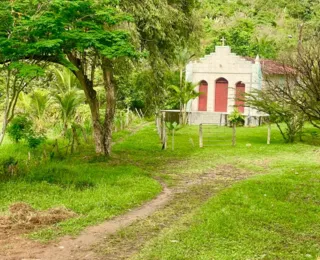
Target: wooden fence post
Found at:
x=158, y=124
x=269, y=133
x=234, y=134
x=172, y=139
x=200, y=136
x=164, y=134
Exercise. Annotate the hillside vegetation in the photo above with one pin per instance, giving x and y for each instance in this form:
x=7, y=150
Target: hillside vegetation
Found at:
x=265, y=27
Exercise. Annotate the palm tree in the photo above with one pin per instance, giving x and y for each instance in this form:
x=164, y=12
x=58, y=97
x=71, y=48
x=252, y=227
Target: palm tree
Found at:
x=67, y=95
x=67, y=103
x=182, y=57
x=184, y=95
x=35, y=105
x=39, y=101
x=64, y=80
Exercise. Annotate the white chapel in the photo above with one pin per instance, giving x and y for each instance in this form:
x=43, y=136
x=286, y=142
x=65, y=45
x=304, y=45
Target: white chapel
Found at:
x=221, y=78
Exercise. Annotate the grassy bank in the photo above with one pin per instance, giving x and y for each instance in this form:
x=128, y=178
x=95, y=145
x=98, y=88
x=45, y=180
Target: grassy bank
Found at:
x=97, y=189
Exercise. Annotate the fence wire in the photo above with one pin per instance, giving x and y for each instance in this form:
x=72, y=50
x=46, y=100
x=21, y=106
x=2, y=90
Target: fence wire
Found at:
x=215, y=135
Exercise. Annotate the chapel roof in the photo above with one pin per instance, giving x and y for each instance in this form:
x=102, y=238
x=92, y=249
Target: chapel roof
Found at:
x=271, y=67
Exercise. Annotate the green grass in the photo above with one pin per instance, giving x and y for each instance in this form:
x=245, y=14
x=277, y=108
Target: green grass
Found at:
x=274, y=216
x=269, y=217
x=97, y=189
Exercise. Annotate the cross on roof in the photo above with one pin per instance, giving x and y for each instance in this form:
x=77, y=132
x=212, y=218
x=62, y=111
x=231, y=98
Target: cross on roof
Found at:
x=223, y=40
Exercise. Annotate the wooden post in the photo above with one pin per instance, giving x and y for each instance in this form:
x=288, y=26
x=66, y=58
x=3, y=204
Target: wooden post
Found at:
x=269, y=133
x=200, y=136
x=138, y=113
x=164, y=142
x=164, y=134
x=158, y=124
x=234, y=134
x=161, y=125
x=142, y=115
x=127, y=116
x=172, y=139
x=249, y=121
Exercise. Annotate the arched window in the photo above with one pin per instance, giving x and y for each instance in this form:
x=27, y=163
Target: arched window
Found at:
x=221, y=95
x=240, y=90
x=203, y=97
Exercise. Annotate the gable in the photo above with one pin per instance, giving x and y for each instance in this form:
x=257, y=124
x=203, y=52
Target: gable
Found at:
x=222, y=61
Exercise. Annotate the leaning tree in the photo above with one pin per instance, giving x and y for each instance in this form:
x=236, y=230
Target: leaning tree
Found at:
x=91, y=35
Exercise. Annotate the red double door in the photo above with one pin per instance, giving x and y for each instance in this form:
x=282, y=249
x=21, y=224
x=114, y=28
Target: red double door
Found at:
x=221, y=96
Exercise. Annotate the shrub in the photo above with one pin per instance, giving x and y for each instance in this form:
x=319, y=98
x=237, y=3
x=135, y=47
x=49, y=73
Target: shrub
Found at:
x=19, y=128
x=236, y=118
x=34, y=141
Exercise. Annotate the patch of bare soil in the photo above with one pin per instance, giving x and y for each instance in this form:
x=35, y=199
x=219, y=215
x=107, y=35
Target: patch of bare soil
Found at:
x=79, y=247
x=22, y=218
x=123, y=236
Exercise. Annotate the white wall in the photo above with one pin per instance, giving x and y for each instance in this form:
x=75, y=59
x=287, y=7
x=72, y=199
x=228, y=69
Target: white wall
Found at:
x=223, y=63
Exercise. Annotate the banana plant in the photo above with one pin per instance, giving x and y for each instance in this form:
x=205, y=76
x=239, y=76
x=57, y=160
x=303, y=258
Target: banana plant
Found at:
x=173, y=127
x=184, y=95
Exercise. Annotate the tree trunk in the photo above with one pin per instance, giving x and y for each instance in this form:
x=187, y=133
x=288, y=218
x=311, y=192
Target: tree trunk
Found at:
x=4, y=128
x=110, y=89
x=181, y=118
x=102, y=130
x=91, y=97
x=65, y=129
x=6, y=109
x=234, y=126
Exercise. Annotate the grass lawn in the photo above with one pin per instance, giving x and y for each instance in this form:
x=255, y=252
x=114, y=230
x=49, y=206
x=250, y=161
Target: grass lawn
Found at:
x=268, y=217
x=273, y=216
x=94, y=190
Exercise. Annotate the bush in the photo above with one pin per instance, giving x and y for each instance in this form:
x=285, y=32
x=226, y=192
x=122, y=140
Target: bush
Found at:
x=236, y=118
x=34, y=141
x=19, y=128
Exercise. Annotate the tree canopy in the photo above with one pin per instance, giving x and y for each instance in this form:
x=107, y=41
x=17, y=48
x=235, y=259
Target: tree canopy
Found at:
x=95, y=36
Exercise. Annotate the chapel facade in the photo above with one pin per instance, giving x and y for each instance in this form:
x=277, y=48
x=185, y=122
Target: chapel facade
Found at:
x=222, y=78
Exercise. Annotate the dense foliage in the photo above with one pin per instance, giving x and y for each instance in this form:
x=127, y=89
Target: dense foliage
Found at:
x=263, y=27
x=96, y=40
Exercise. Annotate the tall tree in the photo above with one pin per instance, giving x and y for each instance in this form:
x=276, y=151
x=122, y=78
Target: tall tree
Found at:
x=17, y=77
x=86, y=35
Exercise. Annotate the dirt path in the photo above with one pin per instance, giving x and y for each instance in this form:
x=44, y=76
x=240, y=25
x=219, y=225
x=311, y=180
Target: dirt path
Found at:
x=188, y=196
x=141, y=224
x=80, y=247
